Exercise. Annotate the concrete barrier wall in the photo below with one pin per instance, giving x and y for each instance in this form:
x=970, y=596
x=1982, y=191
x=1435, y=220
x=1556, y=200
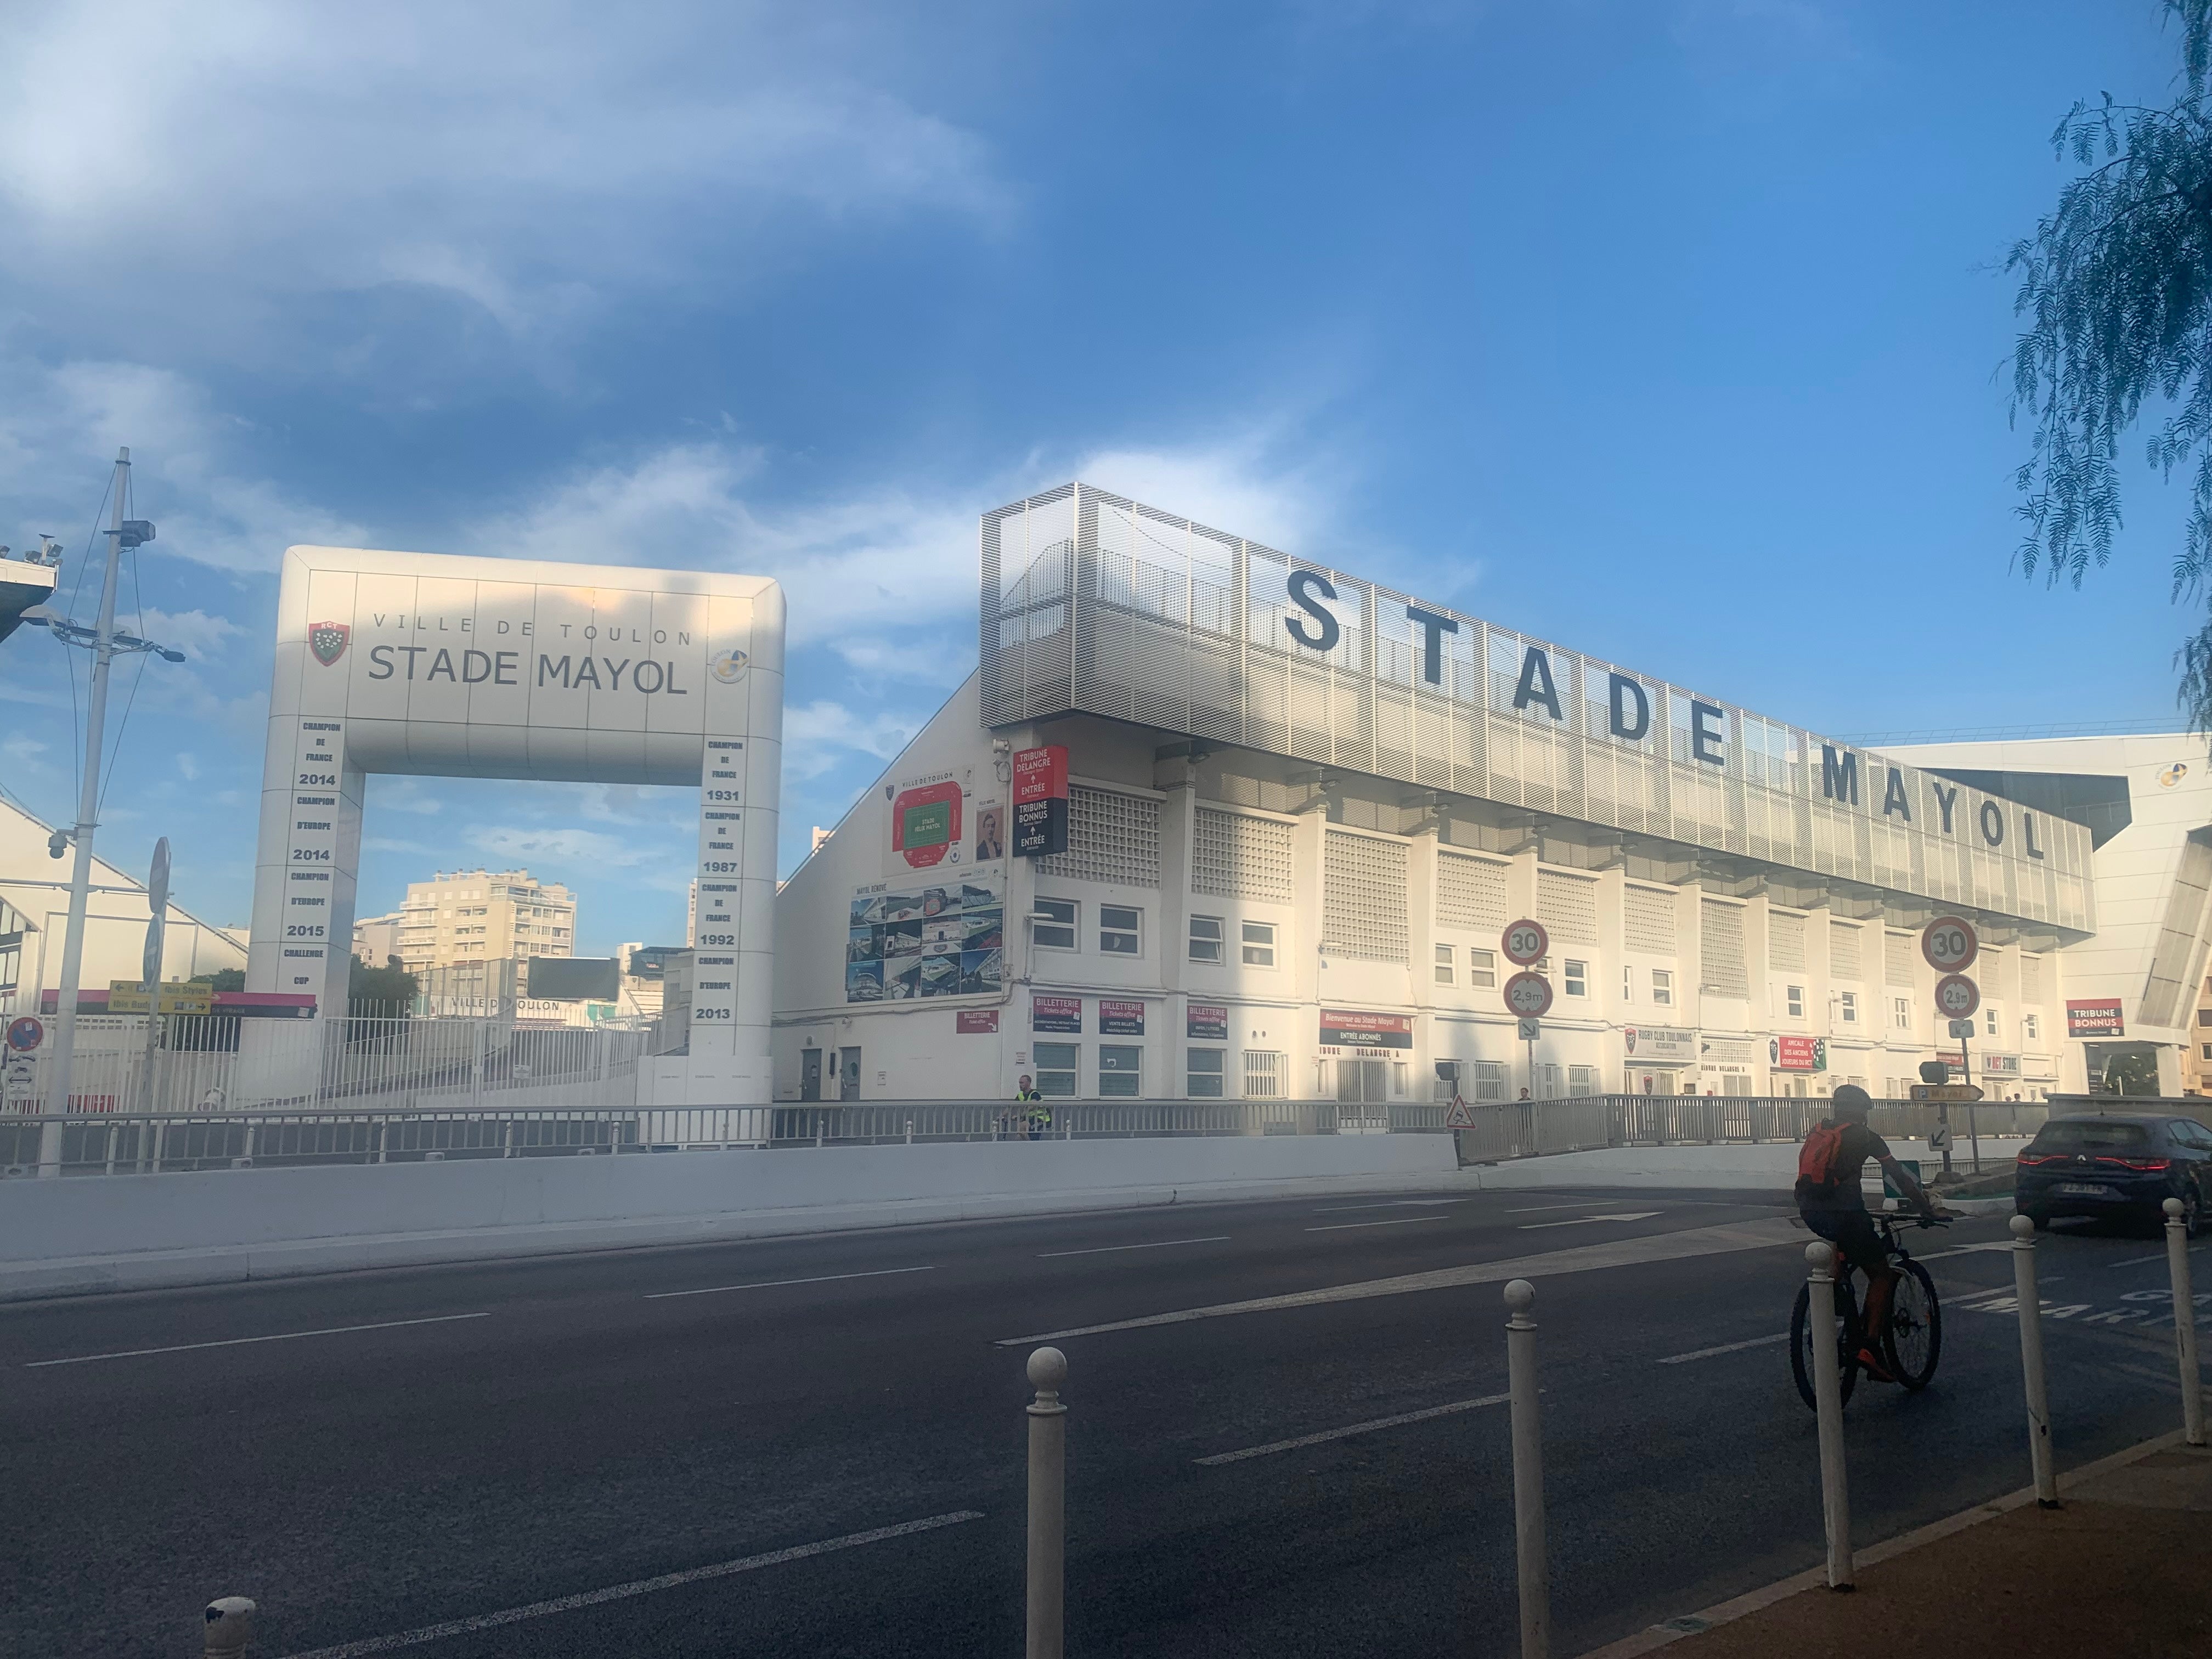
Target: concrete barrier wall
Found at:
x=92, y=1233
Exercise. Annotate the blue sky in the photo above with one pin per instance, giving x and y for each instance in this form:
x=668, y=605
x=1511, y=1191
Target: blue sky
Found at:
x=1666, y=329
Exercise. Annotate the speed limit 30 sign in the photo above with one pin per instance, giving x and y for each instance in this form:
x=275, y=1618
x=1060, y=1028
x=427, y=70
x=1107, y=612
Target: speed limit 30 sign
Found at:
x=1957, y=997
x=1950, y=945
x=1525, y=942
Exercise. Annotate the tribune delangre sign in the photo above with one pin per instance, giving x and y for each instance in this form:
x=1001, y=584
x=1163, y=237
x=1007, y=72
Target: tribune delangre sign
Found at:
x=422, y=664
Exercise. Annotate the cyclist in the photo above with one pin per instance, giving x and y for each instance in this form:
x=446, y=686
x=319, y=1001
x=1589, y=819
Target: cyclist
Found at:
x=1828, y=1197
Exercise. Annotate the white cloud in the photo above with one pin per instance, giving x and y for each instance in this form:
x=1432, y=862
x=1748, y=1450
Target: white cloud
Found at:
x=562, y=845
x=191, y=631
x=818, y=735
x=518, y=156
x=887, y=579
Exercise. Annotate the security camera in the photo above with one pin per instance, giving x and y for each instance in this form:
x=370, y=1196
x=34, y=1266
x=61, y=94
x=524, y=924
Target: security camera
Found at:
x=57, y=843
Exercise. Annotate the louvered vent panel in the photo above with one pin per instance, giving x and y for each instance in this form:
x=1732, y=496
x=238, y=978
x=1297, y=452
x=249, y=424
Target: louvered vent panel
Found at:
x=1648, y=915
x=1238, y=857
x=1899, y=951
x=1846, y=954
x=1111, y=836
x=1470, y=892
x=1722, y=936
x=1786, y=942
x=1364, y=904
x=2031, y=978
x=1567, y=906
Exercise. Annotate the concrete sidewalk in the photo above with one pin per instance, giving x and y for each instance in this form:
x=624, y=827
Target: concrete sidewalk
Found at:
x=2120, y=1567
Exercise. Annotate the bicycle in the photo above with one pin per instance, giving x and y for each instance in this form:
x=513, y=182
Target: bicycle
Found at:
x=1914, y=1340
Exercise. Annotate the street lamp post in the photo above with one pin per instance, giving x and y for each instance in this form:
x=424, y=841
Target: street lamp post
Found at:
x=105, y=645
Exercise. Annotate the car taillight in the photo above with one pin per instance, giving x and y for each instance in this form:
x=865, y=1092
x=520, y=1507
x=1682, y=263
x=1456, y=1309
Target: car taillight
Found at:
x=2139, y=1162
x=2041, y=1157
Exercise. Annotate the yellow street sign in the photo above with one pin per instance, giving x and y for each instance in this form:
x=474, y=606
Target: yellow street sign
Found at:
x=1947, y=1091
x=128, y=996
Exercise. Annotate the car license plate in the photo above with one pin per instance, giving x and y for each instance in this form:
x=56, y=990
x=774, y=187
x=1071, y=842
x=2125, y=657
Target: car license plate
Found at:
x=2083, y=1188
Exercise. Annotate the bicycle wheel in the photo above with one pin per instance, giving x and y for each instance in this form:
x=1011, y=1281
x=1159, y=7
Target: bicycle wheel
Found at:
x=1847, y=1341
x=1913, y=1341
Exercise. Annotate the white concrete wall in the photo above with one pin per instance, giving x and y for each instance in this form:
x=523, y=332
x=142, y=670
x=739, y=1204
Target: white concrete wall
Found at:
x=70, y=1236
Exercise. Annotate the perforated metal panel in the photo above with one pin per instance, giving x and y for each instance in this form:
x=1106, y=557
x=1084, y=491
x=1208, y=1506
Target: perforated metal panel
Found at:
x=2031, y=978
x=1234, y=856
x=1846, y=950
x=1721, y=941
x=1567, y=906
x=1364, y=897
x=1786, y=942
x=1111, y=836
x=1648, y=916
x=1092, y=603
x=1470, y=892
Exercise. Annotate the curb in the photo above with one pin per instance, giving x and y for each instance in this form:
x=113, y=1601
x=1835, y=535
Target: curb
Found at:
x=1654, y=1637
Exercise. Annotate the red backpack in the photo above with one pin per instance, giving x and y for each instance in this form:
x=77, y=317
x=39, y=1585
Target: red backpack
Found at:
x=1817, y=1158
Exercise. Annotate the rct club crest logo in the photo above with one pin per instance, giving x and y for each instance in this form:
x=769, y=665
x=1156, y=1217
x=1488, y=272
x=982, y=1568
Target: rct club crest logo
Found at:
x=328, y=641
x=2173, y=774
x=728, y=666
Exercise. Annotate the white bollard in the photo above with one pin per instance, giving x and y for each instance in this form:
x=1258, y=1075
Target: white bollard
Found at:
x=1828, y=1392
x=2031, y=1361
x=229, y=1627
x=1047, y=1542
x=2185, y=1324
x=909, y=1132
x=1533, y=1559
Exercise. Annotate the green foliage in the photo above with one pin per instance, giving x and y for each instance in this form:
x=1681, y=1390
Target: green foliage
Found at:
x=2132, y=1073
x=2116, y=284
x=389, y=989
x=234, y=979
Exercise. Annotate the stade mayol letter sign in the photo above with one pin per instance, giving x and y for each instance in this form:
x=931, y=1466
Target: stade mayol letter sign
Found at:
x=1628, y=714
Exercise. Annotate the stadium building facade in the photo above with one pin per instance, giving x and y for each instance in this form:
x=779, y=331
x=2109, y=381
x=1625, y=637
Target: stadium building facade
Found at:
x=1301, y=808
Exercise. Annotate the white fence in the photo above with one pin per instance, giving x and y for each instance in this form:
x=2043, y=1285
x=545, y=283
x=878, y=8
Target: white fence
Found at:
x=390, y=1064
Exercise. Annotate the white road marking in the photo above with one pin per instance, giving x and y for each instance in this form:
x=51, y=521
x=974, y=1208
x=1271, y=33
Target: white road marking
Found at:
x=1391, y=1204
x=1966, y=1250
x=770, y=1284
x=240, y=1341
x=1584, y=1258
x=1396, y=1221
x=636, y=1587
x=1354, y=1428
x=2137, y=1260
x=1591, y=1203
x=1584, y=1220
x=1725, y=1347
x=1157, y=1244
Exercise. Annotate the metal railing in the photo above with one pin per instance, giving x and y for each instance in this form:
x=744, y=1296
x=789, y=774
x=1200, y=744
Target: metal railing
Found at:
x=124, y=1143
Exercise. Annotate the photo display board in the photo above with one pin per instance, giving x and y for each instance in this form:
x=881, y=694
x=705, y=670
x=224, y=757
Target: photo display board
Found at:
x=945, y=939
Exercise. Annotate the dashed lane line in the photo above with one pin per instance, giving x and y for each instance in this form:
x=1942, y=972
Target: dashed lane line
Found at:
x=1725, y=1347
x=1585, y=1220
x=1274, y=1446
x=1539, y=1209
x=1155, y=1244
x=240, y=1341
x=482, y=1621
x=771, y=1284
x=1396, y=1221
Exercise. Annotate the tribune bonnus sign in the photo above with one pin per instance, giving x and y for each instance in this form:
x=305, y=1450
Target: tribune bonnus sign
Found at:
x=417, y=663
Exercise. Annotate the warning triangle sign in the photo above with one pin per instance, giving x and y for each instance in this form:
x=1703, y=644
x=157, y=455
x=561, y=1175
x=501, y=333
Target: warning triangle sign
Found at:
x=1461, y=1117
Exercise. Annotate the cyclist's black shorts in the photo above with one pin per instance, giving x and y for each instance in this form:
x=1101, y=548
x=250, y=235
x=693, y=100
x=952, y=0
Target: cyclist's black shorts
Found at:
x=1851, y=1231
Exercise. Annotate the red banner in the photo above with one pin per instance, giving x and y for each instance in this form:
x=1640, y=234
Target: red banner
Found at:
x=1041, y=773
x=975, y=1022
x=2098, y=1017
x=1354, y=1028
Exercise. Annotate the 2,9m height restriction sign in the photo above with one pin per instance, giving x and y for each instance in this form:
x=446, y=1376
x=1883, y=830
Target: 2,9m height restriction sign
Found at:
x=1957, y=997
x=1950, y=945
x=1528, y=995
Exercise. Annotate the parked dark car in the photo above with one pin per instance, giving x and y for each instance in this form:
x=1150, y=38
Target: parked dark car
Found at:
x=2122, y=1165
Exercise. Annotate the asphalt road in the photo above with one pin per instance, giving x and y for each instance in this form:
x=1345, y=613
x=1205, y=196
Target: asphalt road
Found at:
x=429, y=1447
